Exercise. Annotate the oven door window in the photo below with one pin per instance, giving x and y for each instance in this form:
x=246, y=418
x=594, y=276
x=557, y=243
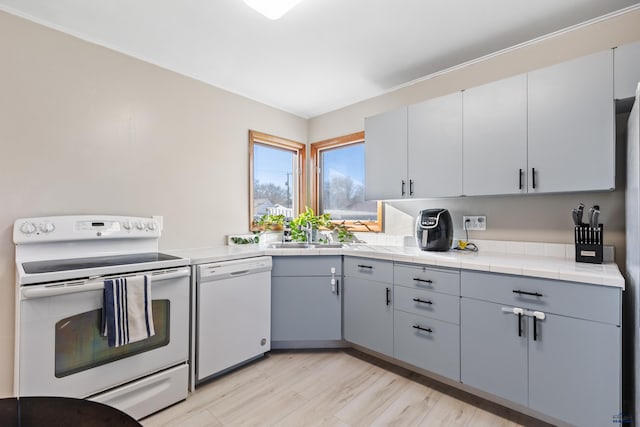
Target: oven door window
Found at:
x=80, y=345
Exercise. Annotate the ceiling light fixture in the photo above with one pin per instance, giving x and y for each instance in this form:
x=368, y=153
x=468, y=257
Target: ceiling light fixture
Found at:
x=272, y=9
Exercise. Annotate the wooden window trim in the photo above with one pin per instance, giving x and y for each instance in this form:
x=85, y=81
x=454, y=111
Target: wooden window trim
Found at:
x=275, y=141
x=316, y=148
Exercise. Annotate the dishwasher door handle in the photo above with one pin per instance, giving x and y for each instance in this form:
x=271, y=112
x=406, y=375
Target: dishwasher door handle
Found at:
x=239, y=273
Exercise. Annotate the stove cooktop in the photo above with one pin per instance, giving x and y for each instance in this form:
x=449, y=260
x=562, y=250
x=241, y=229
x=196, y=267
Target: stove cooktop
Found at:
x=56, y=265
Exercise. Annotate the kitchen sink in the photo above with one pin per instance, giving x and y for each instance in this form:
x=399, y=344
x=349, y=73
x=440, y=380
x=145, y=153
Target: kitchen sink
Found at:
x=305, y=245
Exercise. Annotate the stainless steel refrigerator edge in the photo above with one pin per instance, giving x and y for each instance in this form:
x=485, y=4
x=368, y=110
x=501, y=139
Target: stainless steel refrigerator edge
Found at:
x=633, y=235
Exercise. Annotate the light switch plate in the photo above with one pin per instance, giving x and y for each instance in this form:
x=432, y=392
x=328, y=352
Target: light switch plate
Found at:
x=475, y=222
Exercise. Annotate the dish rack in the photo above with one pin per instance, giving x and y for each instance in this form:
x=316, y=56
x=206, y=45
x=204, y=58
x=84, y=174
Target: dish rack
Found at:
x=589, y=243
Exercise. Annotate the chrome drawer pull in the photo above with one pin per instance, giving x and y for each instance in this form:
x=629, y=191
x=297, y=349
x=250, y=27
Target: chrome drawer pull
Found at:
x=422, y=301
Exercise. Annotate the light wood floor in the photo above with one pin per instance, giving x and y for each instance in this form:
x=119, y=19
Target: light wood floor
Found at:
x=331, y=388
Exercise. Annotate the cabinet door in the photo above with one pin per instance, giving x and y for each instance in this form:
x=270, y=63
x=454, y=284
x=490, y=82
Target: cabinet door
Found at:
x=435, y=147
x=495, y=137
x=627, y=70
x=575, y=370
x=305, y=309
x=368, y=314
x=386, y=155
x=571, y=126
x=493, y=357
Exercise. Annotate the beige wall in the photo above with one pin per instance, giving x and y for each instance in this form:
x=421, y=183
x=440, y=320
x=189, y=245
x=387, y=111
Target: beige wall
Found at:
x=86, y=130
x=526, y=218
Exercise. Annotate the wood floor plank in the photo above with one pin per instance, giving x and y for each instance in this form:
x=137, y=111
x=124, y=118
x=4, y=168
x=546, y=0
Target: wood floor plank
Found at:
x=342, y=388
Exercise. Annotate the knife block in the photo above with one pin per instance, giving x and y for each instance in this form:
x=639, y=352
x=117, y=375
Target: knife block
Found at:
x=589, y=243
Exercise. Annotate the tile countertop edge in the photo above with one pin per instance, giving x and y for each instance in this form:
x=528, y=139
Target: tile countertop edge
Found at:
x=607, y=274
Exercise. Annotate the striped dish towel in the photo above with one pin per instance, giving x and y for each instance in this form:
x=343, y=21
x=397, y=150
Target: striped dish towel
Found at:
x=126, y=310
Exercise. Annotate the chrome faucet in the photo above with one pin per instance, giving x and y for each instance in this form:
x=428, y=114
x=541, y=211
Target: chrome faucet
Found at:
x=308, y=229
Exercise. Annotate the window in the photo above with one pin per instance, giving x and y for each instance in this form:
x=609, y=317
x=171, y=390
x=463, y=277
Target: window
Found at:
x=276, y=176
x=339, y=183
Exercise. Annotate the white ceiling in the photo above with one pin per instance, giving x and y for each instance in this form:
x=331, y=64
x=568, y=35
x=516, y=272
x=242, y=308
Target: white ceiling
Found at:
x=323, y=54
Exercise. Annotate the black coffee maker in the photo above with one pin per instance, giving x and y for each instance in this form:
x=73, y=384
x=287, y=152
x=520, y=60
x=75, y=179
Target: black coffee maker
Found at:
x=434, y=230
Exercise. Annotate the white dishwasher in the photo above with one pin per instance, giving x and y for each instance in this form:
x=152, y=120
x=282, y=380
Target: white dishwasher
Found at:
x=233, y=318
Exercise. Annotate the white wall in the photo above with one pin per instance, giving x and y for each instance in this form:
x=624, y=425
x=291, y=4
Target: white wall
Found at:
x=86, y=130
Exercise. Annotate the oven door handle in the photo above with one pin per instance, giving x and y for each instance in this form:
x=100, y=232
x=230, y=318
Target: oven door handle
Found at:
x=29, y=292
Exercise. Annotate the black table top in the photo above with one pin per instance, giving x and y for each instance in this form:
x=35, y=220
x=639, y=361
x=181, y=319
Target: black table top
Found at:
x=60, y=412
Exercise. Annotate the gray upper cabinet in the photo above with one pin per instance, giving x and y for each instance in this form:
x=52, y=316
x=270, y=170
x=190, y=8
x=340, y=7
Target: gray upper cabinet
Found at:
x=626, y=70
x=495, y=137
x=415, y=151
x=571, y=144
x=435, y=147
x=548, y=131
x=386, y=155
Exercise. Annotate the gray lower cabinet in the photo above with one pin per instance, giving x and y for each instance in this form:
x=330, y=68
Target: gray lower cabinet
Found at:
x=517, y=342
x=493, y=352
x=427, y=343
x=368, y=304
x=306, y=308
x=574, y=370
x=426, y=318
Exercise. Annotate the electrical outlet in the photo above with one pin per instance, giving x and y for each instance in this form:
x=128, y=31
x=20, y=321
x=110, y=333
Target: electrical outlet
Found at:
x=474, y=222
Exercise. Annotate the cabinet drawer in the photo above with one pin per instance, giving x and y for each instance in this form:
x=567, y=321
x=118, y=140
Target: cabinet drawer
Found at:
x=367, y=268
x=426, y=303
x=312, y=265
x=580, y=300
x=436, y=348
x=427, y=278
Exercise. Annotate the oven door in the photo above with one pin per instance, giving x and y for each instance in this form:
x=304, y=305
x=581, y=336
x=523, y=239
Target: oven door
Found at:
x=63, y=353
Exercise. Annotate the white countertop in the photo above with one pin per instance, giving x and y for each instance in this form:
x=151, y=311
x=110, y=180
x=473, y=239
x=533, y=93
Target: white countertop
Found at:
x=559, y=268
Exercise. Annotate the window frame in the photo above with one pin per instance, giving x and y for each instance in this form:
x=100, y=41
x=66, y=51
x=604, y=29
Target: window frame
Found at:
x=316, y=151
x=297, y=148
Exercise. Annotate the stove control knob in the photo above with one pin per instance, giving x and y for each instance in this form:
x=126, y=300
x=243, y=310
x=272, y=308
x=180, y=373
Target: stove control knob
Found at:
x=28, y=228
x=47, y=227
x=139, y=225
x=127, y=225
x=151, y=225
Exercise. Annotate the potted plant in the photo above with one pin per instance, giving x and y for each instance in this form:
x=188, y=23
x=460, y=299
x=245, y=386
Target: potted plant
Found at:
x=341, y=230
x=308, y=216
x=270, y=222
